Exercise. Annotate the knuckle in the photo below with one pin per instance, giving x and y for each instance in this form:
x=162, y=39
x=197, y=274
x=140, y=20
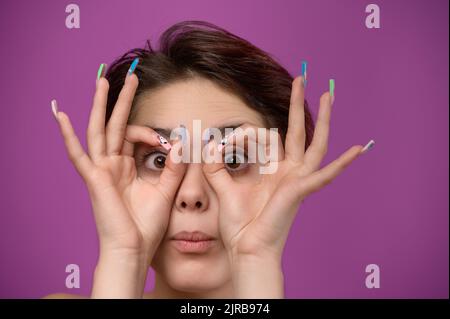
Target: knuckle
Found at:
x=72, y=158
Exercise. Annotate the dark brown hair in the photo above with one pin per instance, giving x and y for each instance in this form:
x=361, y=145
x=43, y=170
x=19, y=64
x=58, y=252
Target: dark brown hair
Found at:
x=198, y=48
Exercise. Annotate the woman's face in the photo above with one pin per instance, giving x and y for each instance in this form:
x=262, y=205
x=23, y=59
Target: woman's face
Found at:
x=196, y=205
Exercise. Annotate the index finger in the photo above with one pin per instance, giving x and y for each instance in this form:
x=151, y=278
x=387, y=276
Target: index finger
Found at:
x=252, y=138
x=116, y=128
x=141, y=134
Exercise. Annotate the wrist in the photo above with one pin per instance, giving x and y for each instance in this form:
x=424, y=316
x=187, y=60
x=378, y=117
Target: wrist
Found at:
x=137, y=256
x=256, y=276
x=120, y=274
x=254, y=253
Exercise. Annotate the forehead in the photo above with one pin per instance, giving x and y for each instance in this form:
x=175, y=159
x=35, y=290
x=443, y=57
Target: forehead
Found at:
x=182, y=102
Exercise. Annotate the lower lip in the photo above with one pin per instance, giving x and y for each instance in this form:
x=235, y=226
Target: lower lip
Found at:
x=188, y=246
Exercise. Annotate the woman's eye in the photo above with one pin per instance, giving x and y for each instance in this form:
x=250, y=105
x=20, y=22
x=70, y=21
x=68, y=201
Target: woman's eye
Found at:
x=235, y=161
x=155, y=161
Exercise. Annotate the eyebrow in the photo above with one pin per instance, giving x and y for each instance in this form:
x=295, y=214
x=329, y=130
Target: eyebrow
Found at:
x=165, y=132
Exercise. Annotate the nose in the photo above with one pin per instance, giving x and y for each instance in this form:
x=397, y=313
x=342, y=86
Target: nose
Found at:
x=192, y=194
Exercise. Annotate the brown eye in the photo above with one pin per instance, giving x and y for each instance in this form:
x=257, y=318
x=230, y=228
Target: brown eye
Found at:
x=234, y=161
x=156, y=161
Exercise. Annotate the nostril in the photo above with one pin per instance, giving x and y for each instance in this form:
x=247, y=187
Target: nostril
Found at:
x=198, y=204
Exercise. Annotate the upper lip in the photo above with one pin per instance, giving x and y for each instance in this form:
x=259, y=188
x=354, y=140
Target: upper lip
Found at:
x=192, y=236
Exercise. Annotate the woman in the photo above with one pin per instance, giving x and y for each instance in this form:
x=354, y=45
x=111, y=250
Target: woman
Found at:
x=209, y=229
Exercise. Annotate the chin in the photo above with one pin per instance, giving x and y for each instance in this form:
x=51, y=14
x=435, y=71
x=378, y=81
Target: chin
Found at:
x=192, y=272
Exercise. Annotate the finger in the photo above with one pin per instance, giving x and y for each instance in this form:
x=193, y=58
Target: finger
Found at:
x=290, y=194
x=116, y=128
x=261, y=144
x=214, y=169
x=76, y=153
x=96, y=129
x=172, y=173
x=296, y=136
x=319, y=145
x=327, y=174
x=138, y=134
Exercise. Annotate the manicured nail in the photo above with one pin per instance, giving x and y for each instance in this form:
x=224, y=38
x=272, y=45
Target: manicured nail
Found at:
x=332, y=90
x=368, y=147
x=54, y=108
x=206, y=137
x=304, y=73
x=101, y=70
x=224, y=142
x=183, y=134
x=133, y=66
x=164, y=143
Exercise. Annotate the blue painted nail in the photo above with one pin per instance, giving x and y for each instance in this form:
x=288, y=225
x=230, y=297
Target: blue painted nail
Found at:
x=304, y=72
x=133, y=66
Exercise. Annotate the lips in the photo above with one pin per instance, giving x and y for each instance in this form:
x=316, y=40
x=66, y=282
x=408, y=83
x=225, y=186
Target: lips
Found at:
x=193, y=242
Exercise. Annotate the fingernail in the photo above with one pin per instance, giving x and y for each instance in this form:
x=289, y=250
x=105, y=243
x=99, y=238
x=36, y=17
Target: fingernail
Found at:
x=332, y=90
x=183, y=134
x=368, y=147
x=133, y=66
x=54, y=108
x=304, y=73
x=101, y=71
x=205, y=137
x=164, y=142
x=224, y=142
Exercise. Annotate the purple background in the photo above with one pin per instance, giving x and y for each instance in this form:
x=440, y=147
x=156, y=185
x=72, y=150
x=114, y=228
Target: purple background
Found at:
x=389, y=208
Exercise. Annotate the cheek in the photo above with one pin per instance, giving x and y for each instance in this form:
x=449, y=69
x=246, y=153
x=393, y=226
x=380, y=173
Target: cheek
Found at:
x=148, y=176
x=250, y=175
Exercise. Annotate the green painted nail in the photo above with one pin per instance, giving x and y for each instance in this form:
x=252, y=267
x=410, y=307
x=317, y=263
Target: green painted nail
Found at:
x=332, y=87
x=100, y=70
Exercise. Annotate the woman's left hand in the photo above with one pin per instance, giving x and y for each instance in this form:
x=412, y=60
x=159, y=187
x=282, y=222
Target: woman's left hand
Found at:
x=255, y=219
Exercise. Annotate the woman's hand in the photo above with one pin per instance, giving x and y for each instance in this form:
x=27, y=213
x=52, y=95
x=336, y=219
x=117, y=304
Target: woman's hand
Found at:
x=131, y=214
x=255, y=219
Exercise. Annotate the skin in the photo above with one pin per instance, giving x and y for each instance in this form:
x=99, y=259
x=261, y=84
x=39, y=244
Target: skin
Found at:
x=138, y=209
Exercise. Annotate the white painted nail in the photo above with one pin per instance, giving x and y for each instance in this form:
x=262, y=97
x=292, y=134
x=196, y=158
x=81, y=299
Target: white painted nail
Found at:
x=54, y=108
x=206, y=136
x=368, y=146
x=164, y=142
x=224, y=142
x=183, y=134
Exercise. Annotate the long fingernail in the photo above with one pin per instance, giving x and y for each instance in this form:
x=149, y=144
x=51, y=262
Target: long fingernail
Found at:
x=332, y=90
x=164, y=142
x=206, y=136
x=224, y=142
x=101, y=71
x=183, y=134
x=368, y=146
x=133, y=66
x=304, y=73
x=54, y=108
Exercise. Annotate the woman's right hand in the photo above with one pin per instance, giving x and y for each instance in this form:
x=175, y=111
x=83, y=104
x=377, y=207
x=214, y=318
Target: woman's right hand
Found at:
x=131, y=213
